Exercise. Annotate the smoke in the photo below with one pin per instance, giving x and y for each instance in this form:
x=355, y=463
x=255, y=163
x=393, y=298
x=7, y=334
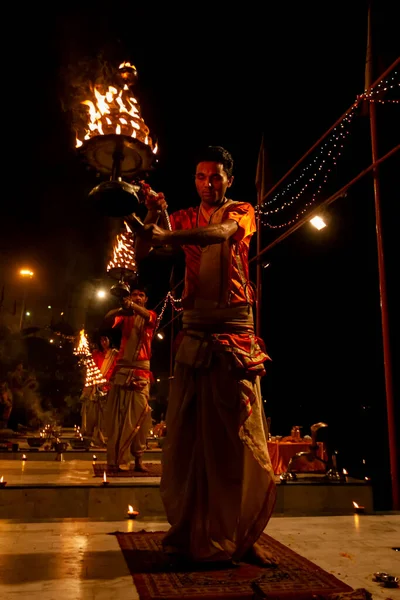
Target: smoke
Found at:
x=27, y=408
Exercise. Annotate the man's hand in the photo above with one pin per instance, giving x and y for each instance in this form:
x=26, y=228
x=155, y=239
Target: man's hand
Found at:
x=154, y=202
x=154, y=235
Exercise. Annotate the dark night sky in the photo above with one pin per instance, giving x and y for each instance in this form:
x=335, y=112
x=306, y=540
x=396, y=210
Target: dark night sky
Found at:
x=226, y=78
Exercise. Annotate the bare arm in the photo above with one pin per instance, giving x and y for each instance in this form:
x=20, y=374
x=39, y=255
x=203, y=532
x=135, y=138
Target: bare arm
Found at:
x=128, y=310
x=132, y=307
x=200, y=236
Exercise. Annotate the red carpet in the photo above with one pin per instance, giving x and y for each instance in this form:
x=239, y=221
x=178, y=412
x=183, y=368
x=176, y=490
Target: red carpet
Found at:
x=158, y=578
x=154, y=470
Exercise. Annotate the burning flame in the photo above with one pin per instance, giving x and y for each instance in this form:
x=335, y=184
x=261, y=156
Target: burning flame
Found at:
x=2, y=478
x=83, y=346
x=115, y=112
x=345, y=472
x=123, y=252
x=126, y=64
x=93, y=376
x=104, y=477
x=355, y=505
x=130, y=508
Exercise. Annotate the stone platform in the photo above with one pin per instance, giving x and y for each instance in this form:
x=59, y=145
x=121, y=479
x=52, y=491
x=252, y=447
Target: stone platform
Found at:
x=151, y=455
x=39, y=489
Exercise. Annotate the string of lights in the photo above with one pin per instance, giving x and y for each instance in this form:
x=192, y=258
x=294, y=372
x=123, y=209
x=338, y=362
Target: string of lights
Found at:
x=382, y=86
x=171, y=321
x=324, y=162
x=323, y=165
x=175, y=303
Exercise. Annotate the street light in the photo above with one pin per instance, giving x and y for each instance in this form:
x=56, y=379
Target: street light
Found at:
x=26, y=275
x=318, y=222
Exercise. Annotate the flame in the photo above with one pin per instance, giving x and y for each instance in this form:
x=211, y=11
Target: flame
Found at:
x=23, y=457
x=115, y=112
x=93, y=375
x=355, y=505
x=2, y=478
x=345, y=472
x=83, y=346
x=130, y=508
x=123, y=252
x=126, y=64
x=104, y=476
x=94, y=457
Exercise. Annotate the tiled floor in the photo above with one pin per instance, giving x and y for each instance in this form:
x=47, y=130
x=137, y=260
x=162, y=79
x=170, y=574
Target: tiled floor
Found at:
x=79, y=560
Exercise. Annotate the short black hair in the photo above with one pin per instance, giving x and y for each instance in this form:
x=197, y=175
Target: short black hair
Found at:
x=138, y=286
x=216, y=154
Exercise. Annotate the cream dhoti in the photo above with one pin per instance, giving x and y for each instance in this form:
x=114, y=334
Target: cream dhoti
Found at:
x=217, y=484
x=128, y=414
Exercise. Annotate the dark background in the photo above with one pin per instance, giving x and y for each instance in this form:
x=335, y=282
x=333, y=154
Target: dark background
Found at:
x=210, y=75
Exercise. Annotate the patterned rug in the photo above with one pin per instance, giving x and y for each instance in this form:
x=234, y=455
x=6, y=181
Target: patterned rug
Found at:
x=158, y=577
x=154, y=470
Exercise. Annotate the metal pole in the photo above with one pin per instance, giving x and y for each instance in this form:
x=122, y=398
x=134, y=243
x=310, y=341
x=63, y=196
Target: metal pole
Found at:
x=387, y=359
x=171, y=345
x=340, y=119
x=259, y=271
x=326, y=202
x=171, y=342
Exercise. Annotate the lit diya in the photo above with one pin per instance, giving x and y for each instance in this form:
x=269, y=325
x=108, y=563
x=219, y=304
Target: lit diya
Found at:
x=359, y=510
x=132, y=514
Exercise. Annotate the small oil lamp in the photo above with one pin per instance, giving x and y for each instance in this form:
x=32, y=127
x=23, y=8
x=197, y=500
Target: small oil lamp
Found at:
x=359, y=510
x=4, y=483
x=105, y=482
x=132, y=514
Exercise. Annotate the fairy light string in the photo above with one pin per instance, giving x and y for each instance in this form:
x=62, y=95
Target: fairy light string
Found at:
x=314, y=176
x=175, y=303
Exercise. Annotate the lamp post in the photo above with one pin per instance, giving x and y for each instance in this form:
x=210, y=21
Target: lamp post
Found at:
x=26, y=275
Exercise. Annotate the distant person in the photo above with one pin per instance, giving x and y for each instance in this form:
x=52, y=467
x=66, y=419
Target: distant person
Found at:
x=128, y=414
x=94, y=398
